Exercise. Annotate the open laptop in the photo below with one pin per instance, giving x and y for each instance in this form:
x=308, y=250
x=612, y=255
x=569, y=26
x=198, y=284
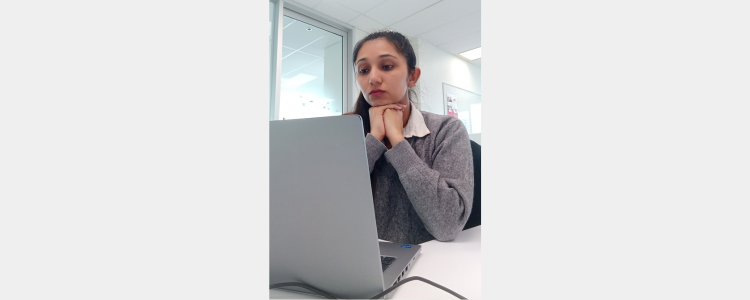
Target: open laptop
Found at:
x=322, y=217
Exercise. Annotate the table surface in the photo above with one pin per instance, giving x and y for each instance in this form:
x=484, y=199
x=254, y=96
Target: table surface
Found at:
x=455, y=265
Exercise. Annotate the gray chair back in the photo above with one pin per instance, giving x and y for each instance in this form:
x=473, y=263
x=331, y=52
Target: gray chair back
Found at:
x=475, y=218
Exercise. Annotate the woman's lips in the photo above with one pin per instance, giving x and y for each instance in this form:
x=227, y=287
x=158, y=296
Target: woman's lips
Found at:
x=376, y=92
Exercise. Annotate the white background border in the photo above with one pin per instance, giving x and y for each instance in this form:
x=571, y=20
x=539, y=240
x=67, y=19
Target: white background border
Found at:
x=133, y=149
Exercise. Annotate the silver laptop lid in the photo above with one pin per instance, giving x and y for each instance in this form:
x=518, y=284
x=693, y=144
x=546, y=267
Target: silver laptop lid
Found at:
x=322, y=219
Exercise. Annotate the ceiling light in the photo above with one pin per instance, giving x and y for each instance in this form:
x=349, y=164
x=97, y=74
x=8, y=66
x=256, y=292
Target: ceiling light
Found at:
x=472, y=54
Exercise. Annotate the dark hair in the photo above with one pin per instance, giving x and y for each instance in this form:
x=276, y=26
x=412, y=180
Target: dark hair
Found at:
x=361, y=107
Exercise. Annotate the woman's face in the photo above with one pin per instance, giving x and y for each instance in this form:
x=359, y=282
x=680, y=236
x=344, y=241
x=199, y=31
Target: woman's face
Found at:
x=383, y=74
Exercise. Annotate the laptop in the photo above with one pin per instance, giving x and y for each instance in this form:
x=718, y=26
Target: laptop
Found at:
x=322, y=217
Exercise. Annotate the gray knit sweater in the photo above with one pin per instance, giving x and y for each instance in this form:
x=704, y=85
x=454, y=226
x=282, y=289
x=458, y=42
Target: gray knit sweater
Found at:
x=423, y=187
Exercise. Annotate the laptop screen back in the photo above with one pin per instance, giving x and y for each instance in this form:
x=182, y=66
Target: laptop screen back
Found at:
x=322, y=220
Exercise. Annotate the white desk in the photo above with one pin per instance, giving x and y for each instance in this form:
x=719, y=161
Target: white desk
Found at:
x=455, y=265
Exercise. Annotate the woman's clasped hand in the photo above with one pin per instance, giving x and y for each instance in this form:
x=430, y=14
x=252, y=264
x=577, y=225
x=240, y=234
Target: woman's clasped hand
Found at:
x=387, y=122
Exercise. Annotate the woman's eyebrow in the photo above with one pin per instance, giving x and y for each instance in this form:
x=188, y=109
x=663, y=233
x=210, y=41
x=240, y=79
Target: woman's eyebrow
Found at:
x=384, y=55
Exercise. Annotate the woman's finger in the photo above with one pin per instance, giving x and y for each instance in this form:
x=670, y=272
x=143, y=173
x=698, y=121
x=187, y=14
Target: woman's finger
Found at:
x=383, y=108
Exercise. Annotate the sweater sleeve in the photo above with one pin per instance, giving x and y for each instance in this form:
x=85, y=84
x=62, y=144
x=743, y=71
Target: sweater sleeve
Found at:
x=375, y=150
x=442, y=195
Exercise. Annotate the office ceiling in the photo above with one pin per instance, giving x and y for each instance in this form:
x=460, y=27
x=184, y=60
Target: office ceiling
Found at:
x=451, y=25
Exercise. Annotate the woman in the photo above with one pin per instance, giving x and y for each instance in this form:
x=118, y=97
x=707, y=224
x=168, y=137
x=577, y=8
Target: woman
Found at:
x=420, y=163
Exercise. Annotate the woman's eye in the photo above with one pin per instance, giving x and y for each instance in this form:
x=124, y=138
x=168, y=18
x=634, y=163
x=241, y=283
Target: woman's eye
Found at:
x=388, y=67
x=363, y=71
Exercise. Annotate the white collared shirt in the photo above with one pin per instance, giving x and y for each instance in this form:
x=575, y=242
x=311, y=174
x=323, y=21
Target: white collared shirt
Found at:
x=415, y=126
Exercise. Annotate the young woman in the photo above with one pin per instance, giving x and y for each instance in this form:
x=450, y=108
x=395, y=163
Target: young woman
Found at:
x=420, y=163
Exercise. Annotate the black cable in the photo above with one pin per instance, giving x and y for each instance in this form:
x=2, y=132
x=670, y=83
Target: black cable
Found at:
x=405, y=280
x=306, y=286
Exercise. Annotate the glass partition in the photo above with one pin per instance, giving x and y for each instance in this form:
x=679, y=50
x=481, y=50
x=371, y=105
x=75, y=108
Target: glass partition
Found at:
x=307, y=63
x=273, y=45
x=312, y=73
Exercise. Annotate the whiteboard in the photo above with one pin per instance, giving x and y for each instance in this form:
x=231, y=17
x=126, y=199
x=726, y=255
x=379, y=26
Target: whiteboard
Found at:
x=464, y=105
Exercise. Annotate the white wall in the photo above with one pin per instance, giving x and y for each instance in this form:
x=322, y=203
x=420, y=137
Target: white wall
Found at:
x=439, y=66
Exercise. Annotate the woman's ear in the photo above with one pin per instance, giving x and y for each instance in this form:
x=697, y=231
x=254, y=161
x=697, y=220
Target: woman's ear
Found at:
x=414, y=76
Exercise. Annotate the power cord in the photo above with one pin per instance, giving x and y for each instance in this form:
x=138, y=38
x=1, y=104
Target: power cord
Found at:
x=378, y=296
x=305, y=286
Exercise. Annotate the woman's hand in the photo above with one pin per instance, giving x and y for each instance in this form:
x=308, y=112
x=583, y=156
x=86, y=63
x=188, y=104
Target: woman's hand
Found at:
x=377, y=124
x=394, y=125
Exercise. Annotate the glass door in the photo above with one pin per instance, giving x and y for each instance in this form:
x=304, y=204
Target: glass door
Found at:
x=312, y=77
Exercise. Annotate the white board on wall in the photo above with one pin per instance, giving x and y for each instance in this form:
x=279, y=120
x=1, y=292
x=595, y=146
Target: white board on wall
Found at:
x=464, y=105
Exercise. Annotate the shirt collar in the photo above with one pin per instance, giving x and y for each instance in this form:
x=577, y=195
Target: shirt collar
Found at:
x=415, y=126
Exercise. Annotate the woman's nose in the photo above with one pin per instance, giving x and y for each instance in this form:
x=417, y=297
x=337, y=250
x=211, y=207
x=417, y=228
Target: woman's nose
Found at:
x=375, y=77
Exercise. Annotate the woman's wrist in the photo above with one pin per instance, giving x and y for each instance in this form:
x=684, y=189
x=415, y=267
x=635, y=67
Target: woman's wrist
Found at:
x=377, y=135
x=396, y=139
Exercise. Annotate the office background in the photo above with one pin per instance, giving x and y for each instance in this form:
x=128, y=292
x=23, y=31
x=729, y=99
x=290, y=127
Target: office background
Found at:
x=311, y=71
